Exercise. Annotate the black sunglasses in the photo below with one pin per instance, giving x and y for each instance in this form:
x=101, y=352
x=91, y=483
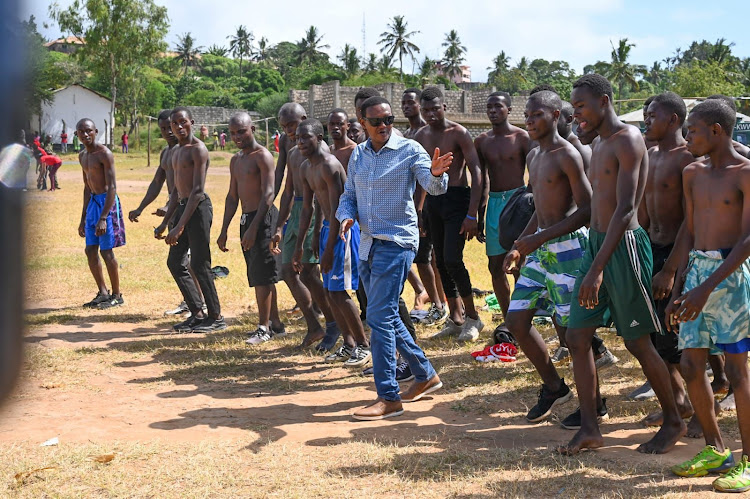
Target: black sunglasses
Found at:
x=388, y=120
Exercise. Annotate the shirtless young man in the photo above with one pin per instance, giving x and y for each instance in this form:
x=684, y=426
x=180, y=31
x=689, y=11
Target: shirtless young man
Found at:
x=306, y=285
x=193, y=212
x=615, y=272
x=502, y=154
x=453, y=215
x=426, y=265
x=102, y=223
x=713, y=310
x=661, y=214
x=343, y=146
x=356, y=132
x=741, y=149
x=552, y=244
x=565, y=129
x=163, y=173
x=251, y=173
x=323, y=177
x=649, y=142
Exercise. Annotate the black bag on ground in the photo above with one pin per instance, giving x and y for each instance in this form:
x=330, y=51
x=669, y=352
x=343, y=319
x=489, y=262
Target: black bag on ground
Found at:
x=515, y=217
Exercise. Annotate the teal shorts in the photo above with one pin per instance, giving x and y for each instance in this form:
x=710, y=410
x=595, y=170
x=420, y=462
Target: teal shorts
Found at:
x=625, y=289
x=724, y=322
x=549, y=275
x=292, y=233
x=495, y=206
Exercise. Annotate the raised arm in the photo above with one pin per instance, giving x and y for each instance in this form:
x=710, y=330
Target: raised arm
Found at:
x=230, y=205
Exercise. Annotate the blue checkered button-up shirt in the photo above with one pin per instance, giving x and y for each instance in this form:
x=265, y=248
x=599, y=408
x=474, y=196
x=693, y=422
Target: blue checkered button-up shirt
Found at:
x=380, y=190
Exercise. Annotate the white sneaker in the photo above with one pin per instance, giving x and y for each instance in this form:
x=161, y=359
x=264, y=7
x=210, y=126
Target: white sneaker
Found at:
x=471, y=329
x=436, y=316
x=260, y=335
x=449, y=329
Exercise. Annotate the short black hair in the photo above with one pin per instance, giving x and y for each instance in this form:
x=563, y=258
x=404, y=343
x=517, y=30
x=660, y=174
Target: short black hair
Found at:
x=315, y=125
x=566, y=110
x=548, y=99
x=596, y=83
x=413, y=90
x=724, y=98
x=339, y=111
x=672, y=103
x=712, y=111
x=504, y=95
x=431, y=93
x=543, y=86
x=352, y=121
x=164, y=115
x=181, y=109
x=648, y=101
x=373, y=101
x=365, y=93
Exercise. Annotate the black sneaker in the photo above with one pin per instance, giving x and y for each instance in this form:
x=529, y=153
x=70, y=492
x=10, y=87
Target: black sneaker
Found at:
x=403, y=372
x=548, y=400
x=210, y=324
x=370, y=371
x=113, y=301
x=573, y=422
x=99, y=298
x=188, y=324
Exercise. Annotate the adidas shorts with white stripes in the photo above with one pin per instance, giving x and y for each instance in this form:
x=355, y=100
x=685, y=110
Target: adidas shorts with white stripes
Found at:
x=344, y=275
x=625, y=289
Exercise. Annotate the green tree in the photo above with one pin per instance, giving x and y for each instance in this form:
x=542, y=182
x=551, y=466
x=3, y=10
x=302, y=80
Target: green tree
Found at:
x=701, y=79
x=454, y=55
x=188, y=53
x=121, y=36
x=500, y=66
x=240, y=44
x=396, y=41
x=39, y=88
x=310, y=47
x=217, y=50
x=261, y=53
x=427, y=71
x=349, y=60
x=371, y=65
x=621, y=71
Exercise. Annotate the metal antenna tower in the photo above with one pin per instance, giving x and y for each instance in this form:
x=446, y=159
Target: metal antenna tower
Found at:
x=364, y=37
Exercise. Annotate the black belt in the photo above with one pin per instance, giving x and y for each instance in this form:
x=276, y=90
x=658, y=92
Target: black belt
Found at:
x=184, y=201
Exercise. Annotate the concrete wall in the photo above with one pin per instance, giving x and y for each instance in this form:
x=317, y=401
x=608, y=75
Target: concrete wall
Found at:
x=207, y=115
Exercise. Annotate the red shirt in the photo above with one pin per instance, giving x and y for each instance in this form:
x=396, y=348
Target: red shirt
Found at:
x=50, y=160
x=64, y=138
x=124, y=138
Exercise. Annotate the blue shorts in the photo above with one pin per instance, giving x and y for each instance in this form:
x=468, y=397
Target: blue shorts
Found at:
x=344, y=274
x=115, y=235
x=495, y=206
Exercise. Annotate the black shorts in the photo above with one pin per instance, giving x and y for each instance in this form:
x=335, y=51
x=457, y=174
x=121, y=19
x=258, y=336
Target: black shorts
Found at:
x=424, y=253
x=262, y=265
x=665, y=344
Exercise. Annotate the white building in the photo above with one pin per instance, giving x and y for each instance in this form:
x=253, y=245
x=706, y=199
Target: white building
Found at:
x=71, y=104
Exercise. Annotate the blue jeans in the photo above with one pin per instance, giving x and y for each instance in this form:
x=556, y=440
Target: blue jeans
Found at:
x=383, y=275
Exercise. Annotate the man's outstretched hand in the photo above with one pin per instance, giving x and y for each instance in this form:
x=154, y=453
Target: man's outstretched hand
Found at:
x=441, y=164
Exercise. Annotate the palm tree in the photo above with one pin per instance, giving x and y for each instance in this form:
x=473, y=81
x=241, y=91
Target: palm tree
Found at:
x=187, y=51
x=427, y=70
x=371, y=65
x=500, y=64
x=217, y=50
x=654, y=75
x=385, y=64
x=620, y=71
x=397, y=41
x=349, y=60
x=454, y=54
x=721, y=52
x=308, y=49
x=240, y=44
x=261, y=54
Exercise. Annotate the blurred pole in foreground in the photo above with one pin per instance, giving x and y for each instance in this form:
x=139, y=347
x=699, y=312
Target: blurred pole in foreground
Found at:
x=13, y=170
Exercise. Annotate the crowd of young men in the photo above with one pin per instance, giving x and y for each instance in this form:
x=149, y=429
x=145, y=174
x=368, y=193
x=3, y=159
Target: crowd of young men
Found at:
x=653, y=239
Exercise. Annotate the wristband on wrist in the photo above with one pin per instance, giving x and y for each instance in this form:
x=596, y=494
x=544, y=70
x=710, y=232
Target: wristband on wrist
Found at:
x=471, y=218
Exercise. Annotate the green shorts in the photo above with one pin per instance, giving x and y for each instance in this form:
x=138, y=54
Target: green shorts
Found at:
x=292, y=232
x=548, y=277
x=724, y=322
x=625, y=289
x=495, y=206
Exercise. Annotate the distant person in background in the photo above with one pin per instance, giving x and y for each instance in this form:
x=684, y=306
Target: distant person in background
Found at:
x=76, y=143
x=51, y=163
x=64, y=142
x=47, y=141
x=222, y=140
x=215, y=144
x=276, y=141
x=124, y=140
x=204, y=133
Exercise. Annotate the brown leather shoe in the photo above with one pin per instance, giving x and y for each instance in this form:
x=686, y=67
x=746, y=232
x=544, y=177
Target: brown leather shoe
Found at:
x=380, y=409
x=419, y=389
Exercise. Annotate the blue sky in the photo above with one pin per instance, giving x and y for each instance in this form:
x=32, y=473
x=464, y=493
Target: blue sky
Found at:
x=578, y=32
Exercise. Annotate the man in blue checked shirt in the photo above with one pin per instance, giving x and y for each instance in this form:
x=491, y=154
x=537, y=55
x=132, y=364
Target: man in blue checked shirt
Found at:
x=379, y=190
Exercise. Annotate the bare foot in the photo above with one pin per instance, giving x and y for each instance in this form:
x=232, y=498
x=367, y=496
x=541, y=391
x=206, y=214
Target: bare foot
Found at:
x=694, y=429
x=664, y=440
x=582, y=441
x=421, y=300
x=312, y=337
x=720, y=386
x=727, y=403
x=657, y=418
